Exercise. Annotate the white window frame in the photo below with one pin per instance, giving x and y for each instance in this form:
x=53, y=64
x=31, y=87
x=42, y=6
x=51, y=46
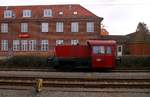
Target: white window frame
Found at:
x=4, y=27
x=16, y=45
x=4, y=45
x=32, y=45
x=59, y=42
x=44, y=27
x=8, y=13
x=90, y=26
x=27, y=13
x=74, y=27
x=74, y=42
x=24, y=27
x=24, y=45
x=47, y=13
x=59, y=26
x=44, y=45
x=75, y=12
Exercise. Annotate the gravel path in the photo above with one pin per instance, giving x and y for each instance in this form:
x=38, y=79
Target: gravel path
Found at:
x=47, y=92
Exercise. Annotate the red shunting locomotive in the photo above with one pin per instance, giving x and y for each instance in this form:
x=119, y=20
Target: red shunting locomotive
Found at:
x=97, y=54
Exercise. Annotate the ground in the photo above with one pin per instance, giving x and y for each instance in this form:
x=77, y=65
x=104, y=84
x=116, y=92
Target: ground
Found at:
x=55, y=92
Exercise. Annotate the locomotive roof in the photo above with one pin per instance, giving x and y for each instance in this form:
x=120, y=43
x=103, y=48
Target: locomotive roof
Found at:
x=101, y=42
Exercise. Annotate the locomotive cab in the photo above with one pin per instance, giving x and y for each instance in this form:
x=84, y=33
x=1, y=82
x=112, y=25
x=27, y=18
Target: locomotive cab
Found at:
x=102, y=54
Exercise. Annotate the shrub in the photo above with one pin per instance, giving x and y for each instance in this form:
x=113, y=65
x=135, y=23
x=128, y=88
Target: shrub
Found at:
x=133, y=62
x=25, y=62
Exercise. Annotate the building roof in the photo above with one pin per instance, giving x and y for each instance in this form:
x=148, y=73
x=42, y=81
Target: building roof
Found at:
x=139, y=37
x=136, y=37
x=100, y=42
x=120, y=39
x=68, y=10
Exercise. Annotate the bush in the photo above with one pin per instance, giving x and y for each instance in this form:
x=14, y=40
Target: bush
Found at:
x=25, y=62
x=134, y=62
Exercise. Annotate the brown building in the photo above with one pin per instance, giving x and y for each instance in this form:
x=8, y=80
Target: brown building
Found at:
x=137, y=43
x=38, y=29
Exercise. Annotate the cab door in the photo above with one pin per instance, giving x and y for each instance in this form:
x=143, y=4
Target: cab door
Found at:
x=103, y=56
x=98, y=56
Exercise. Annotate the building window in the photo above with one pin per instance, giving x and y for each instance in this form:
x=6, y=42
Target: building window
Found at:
x=60, y=13
x=26, y=13
x=16, y=45
x=74, y=42
x=44, y=27
x=4, y=27
x=59, y=42
x=90, y=27
x=47, y=12
x=59, y=27
x=44, y=45
x=4, y=45
x=7, y=13
x=32, y=45
x=24, y=45
x=74, y=27
x=24, y=27
x=75, y=12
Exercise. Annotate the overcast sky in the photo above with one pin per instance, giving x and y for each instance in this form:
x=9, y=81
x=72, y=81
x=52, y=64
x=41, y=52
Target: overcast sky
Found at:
x=120, y=16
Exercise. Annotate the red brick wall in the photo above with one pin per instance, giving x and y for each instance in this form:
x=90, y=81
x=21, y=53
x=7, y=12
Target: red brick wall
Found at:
x=34, y=26
x=139, y=48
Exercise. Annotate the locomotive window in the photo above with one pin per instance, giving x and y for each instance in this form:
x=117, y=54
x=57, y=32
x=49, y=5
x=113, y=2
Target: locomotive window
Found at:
x=108, y=50
x=98, y=50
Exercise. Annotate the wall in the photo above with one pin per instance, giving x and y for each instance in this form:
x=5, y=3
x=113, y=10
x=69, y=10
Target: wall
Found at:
x=139, y=48
x=34, y=24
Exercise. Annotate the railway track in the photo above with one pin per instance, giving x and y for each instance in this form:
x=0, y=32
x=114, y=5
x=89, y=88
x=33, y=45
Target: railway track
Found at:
x=76, y=82
x=53, y=70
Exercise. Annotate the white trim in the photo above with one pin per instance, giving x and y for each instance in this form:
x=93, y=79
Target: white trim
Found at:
x=59, y=27
x=27, y=13
x=47, y=13
x=74, y=27
x=90, y=26
x=7, y=13
x=44, y=27
x=4, y=27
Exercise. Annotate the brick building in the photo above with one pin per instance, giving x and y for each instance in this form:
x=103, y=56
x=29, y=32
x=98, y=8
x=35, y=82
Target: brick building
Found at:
x=137, y=43
x=38, y=29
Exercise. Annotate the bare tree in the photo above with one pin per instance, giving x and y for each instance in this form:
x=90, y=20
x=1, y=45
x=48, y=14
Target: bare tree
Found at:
x=142, y=27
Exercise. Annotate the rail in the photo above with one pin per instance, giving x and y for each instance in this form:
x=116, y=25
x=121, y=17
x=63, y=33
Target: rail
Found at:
x=76, y=82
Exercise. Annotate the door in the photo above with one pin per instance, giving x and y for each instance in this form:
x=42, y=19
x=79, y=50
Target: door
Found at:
x=98, y=56
x=119, y=50
x=103, y=57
